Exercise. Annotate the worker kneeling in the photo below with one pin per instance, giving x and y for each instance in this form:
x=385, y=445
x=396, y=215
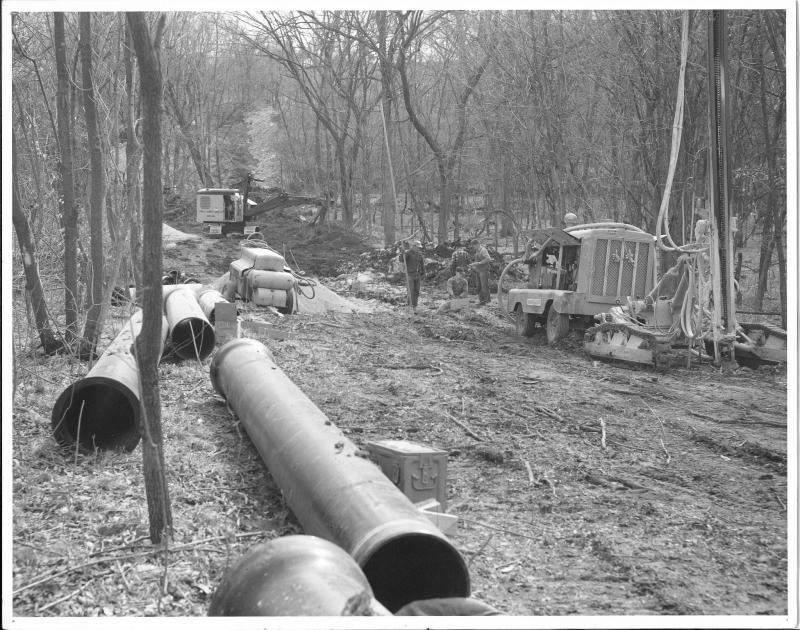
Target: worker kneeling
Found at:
x=457, y=290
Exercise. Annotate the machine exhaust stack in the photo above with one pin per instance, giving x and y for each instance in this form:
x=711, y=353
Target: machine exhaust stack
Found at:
x=330, y=485
x=102, y=410
x=190, y=332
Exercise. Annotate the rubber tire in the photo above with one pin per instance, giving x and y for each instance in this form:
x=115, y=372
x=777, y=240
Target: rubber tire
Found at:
x=557, y=326
x=525, y=322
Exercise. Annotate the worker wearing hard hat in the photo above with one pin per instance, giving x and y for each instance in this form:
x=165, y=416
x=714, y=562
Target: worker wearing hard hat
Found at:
x=570, y=219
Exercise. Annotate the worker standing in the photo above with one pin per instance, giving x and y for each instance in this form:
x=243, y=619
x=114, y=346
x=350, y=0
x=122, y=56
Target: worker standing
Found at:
x=415, y=269
x=481, y=263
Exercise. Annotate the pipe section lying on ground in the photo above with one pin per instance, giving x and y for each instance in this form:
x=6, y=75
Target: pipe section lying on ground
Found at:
x=208, y=298
x=333, y=489
x=102, y=410
x=294, y=576
x=190, y=332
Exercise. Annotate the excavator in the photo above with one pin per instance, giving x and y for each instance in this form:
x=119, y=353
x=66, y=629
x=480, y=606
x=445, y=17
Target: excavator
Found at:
x=693, y=304
x=231, y=210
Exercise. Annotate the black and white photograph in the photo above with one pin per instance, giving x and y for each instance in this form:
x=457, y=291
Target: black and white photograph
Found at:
x=456, y=317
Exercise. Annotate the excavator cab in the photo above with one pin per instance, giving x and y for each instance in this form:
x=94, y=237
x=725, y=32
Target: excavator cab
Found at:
x=220, y=208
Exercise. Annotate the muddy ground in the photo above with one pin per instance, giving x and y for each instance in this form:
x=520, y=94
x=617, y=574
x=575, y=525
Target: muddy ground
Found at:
x=581, y=488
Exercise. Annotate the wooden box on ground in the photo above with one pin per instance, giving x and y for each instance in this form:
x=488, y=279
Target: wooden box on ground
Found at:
x=419, y=471
x=226, y=323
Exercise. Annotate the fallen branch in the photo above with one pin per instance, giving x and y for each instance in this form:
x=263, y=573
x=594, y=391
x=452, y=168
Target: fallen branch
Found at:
x=480, y=550
x=64, y=598
x=626, y=482
x=603, y=434
x=548, y=412
x=466, y=428
x=499, y=529
x=778, y=499
x=530, y=472
x=550, y=483
x=766, y=423
x=663, y=432
x=421, y=366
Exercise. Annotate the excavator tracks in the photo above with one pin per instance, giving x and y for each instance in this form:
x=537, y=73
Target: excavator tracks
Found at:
x=627, y=343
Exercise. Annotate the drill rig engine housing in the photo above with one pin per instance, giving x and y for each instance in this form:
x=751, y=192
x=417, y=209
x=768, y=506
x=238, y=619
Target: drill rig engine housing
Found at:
x=581, y=271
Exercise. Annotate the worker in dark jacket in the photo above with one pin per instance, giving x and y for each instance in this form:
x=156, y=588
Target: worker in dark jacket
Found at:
x=481, y=263
x=415, y=270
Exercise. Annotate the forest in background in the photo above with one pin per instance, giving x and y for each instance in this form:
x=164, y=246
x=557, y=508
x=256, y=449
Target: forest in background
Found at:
x=469, y=116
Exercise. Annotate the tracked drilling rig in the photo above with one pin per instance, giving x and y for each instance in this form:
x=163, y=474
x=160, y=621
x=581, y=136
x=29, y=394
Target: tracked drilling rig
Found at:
x=693, y=305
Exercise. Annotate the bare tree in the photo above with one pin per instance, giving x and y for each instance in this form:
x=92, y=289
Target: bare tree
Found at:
x=330, y=71
x=97, y=196
x=414, y=24
x=69, y=210
x=133, y=158
x=33, y=284
x=148, y=344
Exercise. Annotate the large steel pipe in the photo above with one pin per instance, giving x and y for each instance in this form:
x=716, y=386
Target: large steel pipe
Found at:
x=208, y=298
x=190, y=332
x=333, y=489
x=295, y=576
x=102, y=410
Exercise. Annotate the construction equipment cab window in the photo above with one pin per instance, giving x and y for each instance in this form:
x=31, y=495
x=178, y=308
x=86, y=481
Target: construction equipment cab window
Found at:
x=229, y=207
x=555, y=268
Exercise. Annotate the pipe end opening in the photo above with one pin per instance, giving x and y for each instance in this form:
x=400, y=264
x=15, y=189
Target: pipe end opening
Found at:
x=97, y=415
x=192, y=338
x=415, y=567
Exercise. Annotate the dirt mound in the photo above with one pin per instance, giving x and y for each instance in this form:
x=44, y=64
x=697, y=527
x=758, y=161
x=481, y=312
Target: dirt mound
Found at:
x=322, y=252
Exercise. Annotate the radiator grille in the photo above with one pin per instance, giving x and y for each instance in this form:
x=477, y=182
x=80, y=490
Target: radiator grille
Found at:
x=628, y=262
x=614, y=265
x=641, y=270
x=205, y=202
x=599, y=266
x=620, y=268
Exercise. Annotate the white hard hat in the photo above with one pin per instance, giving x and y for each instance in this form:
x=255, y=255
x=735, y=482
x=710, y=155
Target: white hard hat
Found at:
x=570, y=218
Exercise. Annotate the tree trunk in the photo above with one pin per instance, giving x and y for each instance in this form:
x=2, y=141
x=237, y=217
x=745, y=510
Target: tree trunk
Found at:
x=97, y=195
x=133, y=157
x=444, y=202
x=148, y=346
x=388, y=211
x=344, y=186
x=27, y=250
x=69, y=211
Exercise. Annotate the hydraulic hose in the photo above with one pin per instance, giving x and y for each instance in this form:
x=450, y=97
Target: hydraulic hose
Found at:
x=610, y=225
x=500, y=284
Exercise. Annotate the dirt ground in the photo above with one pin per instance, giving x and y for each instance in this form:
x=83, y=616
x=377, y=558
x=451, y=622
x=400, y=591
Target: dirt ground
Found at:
x=581, y=488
